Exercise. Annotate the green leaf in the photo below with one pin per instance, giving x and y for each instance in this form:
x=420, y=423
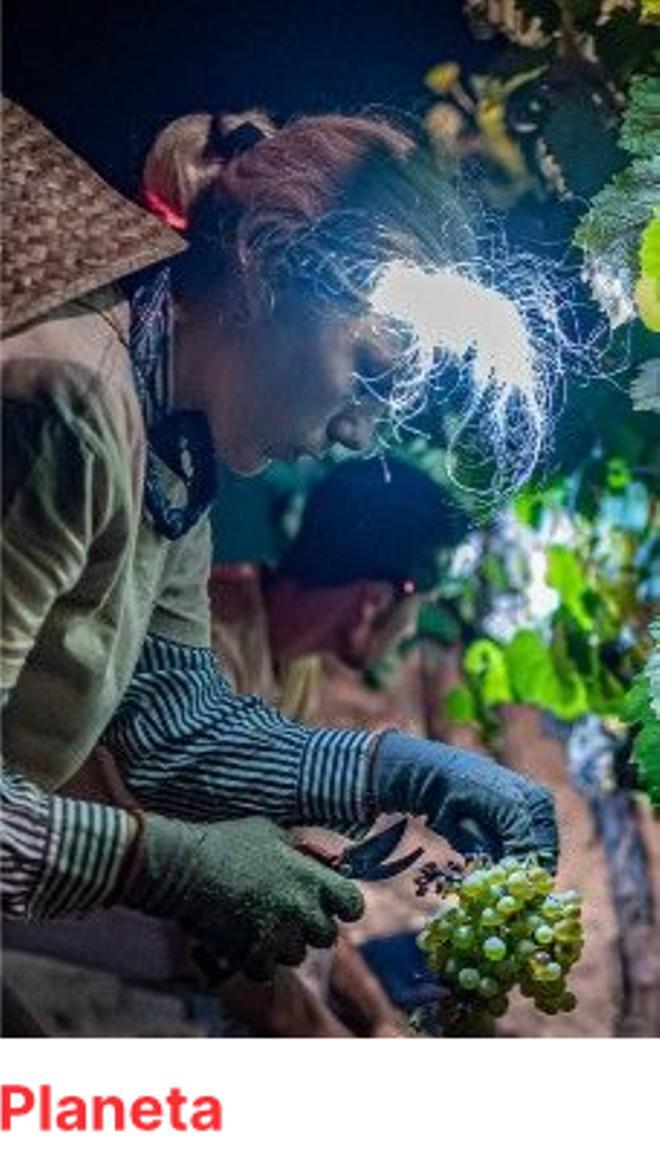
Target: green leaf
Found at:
x=618, y=474
x=640, y=127
x=647, y=299
x=485, y=663
x=535, y=678
x=649, y=252
x=638, y=710
x=610, y=233
x=566, y=575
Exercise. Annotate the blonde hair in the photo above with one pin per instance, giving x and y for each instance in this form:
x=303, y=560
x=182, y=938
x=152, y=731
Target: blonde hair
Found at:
x=321, y=204
x=180, y=165
x=241, y=209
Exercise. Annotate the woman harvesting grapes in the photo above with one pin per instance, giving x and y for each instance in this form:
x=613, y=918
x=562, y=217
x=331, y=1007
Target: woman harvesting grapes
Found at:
x=247, y=346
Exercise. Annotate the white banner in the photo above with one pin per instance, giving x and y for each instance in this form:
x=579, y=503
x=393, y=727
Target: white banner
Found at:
x=319, y=1106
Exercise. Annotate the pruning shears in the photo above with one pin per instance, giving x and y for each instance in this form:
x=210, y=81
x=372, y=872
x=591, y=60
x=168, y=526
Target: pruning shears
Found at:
x=366, y=860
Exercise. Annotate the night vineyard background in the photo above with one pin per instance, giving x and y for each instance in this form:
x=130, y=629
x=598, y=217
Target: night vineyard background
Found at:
x=550, y=604
x=553, y=606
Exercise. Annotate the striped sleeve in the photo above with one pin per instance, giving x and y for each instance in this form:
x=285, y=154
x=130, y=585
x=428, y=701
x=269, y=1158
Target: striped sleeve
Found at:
x=191, y=748
x=58, y=857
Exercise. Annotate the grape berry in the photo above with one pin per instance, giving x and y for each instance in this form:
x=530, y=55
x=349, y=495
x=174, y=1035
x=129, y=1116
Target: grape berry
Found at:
x=499, y=926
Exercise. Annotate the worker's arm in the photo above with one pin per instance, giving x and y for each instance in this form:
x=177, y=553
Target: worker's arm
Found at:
x=190, y=747
x=59, y=856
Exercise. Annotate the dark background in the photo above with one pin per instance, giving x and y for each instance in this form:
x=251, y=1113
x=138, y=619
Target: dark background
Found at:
x=107, y=74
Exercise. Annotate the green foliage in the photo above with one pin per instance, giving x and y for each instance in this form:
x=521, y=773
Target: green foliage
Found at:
x=573, y=106
x=566, y=575
x=459, y=706
x=639, y=712
x=640, y=127
x=486, y=667
x=649, y=253
x=611, y=231
x=539, y=677
x=620, y=233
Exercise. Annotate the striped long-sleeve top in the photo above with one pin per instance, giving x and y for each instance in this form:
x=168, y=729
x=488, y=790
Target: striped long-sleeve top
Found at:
x=192, y=749
x=106, y=636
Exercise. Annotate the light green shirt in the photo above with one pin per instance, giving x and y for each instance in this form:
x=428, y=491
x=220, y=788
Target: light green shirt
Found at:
x=85, y=577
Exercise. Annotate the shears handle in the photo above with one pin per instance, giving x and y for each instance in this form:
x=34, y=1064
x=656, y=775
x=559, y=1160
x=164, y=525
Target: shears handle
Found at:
x=322, y=854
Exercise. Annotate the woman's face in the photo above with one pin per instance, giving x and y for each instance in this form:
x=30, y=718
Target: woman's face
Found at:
x=285, y=386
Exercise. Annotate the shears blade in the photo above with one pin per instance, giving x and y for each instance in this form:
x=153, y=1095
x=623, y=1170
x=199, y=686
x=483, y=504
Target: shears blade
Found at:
x=366, y=860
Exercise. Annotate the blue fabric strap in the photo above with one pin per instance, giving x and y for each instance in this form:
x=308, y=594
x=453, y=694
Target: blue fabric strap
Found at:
x=179, y=439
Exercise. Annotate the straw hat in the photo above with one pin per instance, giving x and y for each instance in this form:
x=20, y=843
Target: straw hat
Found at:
x=65, y=231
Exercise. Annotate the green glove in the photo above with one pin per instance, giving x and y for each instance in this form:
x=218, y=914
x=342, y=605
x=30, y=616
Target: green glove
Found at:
x=241, y=888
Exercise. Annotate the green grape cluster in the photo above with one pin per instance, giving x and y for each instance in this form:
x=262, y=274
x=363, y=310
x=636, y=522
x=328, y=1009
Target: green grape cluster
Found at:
x=501, y=926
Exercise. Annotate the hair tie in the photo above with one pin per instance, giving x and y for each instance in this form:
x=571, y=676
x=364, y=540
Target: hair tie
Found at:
x=228, y=146
x=160, y=207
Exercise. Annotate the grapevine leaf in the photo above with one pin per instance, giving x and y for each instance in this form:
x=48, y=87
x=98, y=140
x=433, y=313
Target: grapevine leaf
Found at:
x=640, y=128
x=649, y=252
x=618, y=235
x=486, y=665
x=535, y=678
x=647, y=298
x=638, y=710
x=648, y=285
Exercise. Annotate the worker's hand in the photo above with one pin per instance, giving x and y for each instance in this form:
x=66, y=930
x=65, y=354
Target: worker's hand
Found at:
x=242, y=888
x=471, y=801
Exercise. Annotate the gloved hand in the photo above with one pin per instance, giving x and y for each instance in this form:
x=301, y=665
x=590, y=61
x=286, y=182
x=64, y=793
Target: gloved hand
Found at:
x=471, y=801
x=241, y=888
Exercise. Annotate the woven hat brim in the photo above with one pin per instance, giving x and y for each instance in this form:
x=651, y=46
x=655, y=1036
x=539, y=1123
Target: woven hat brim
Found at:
x=65, y=231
